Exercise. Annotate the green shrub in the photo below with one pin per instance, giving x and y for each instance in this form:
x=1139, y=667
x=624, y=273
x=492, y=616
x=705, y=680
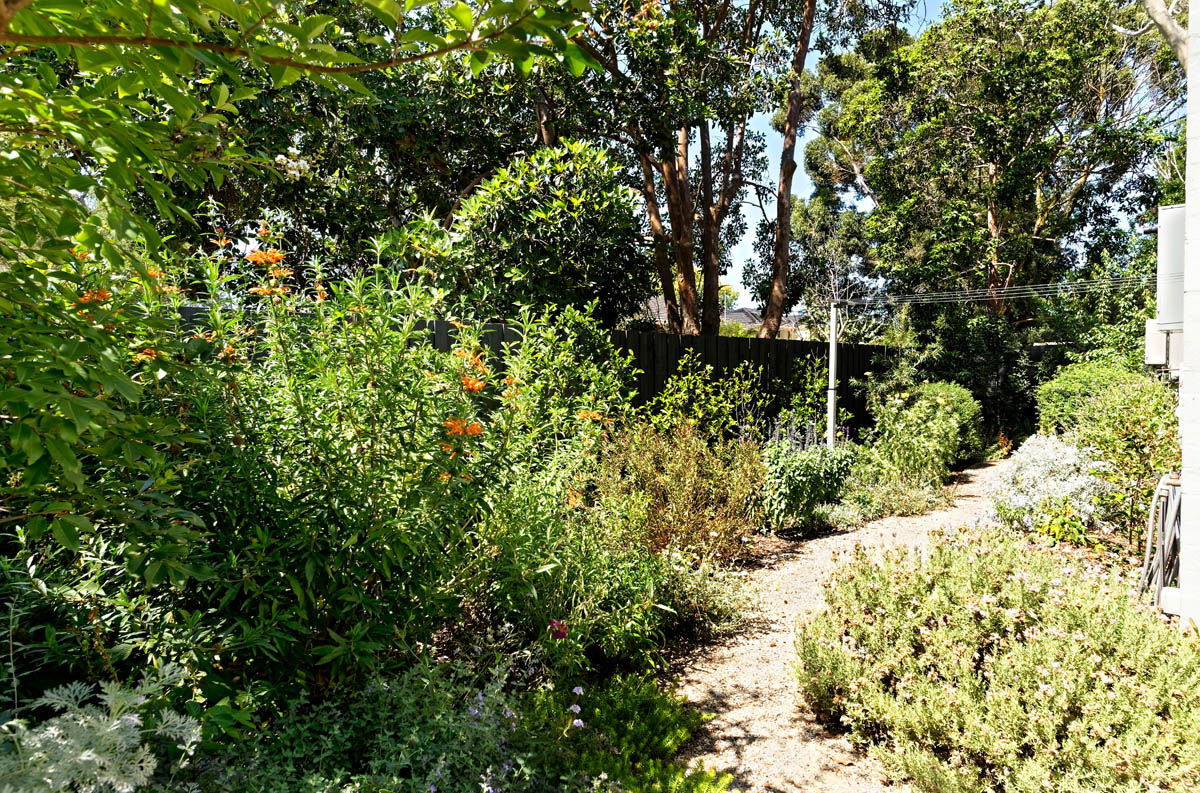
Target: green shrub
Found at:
x=718, y=407
x=967, y=411
x=555, y=228
x=798, y=481
x=919, y=434
x=1133, y=428
x=988, y=664
x=1060, y=399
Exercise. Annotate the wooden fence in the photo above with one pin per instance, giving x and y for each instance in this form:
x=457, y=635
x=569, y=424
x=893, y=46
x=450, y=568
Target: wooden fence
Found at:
x=657, y=355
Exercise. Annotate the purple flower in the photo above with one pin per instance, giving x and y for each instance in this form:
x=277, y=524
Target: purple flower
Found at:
x=558, y=629
x=577, y=691
x=577, y=723
x=575, y=708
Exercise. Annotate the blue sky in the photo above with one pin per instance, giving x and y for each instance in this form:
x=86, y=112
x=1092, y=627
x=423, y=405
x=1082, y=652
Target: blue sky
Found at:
x=925, y=14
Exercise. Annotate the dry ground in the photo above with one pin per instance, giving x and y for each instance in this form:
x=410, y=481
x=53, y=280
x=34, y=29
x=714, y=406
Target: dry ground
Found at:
x=762, y=735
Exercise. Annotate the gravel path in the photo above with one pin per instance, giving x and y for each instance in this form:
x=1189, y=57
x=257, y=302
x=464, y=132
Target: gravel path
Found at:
x=762, y=734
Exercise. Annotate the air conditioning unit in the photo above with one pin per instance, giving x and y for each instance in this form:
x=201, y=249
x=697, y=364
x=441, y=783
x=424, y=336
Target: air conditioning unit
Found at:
x=1170, y=268
x=1164, y=333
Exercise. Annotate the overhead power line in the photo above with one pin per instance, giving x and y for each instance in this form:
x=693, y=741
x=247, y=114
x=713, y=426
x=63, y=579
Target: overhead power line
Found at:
x=1009, y=292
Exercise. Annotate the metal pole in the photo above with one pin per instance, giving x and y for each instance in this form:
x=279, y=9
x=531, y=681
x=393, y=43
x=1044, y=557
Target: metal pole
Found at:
x=831, y=392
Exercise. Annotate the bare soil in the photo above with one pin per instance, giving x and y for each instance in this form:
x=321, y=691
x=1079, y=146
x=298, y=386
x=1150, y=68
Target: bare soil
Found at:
x=762, y=734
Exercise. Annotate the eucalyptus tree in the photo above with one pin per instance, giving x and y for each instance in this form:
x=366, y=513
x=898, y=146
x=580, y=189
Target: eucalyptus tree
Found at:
x=994, y=145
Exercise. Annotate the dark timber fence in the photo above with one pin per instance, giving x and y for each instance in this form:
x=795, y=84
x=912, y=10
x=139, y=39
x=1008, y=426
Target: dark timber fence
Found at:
x=657, y=355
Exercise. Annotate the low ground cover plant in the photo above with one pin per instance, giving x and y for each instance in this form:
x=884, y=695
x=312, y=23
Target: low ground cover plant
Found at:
x=990, y=665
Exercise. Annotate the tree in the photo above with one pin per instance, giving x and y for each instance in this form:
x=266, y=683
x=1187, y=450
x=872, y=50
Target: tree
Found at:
x=978, y=180
x=840, y=21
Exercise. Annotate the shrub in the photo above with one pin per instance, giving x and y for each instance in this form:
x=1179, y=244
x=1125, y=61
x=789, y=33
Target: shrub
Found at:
x=797, y=482
x=346, y=466
x=968, y=413
x=1134, y=430
x=717, y=407
x=992, y=665
x=1060, y=399
x=1054, y=488
x=919, y=434
x=107, y=741
x=697, y=494
x=555, y=228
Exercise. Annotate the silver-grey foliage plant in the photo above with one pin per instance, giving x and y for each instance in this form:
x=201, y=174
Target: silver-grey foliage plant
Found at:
x=98, y=741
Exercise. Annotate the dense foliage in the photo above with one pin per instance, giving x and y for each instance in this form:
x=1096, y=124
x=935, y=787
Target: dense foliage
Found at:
x=554, y=228
x=1062, y=398
x=991, y=665
x=799, y=481
x=1127, y=423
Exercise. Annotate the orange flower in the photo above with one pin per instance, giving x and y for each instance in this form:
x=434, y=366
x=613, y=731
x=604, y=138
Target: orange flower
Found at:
x=80, y=254
x=265, y=256
x=573, y=499
x=263, y=230
x=147, y=354
x=510, y=380
x=269, y=290
x=321, y=297
x=444, y=476
x=447, y=446
x=228, y=354
x=472, y=384
x=280, y=272
x=590, y=414
x=94, y=296
x=171, y=289
x=456, y=426
x=221, y=242
x=154, y=273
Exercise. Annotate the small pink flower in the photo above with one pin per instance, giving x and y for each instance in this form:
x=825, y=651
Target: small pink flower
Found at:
x=558, y=629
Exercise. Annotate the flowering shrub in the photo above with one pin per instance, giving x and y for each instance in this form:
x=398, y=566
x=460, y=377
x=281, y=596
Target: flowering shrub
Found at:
x=1054, y=488
x=992, y=665
x=797, y=482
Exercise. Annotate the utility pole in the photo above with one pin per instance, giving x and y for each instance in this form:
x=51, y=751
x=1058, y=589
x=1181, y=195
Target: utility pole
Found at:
x=831, y=392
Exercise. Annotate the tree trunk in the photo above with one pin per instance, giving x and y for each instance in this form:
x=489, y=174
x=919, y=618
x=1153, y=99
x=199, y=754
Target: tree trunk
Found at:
x=773, y=315
x=1169, y=27
x=710, y=242
x=682, y=209
x=662, y=245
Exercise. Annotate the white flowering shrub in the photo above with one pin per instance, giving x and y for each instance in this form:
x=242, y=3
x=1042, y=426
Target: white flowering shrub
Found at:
x=1052, y=487
x=96, y=742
